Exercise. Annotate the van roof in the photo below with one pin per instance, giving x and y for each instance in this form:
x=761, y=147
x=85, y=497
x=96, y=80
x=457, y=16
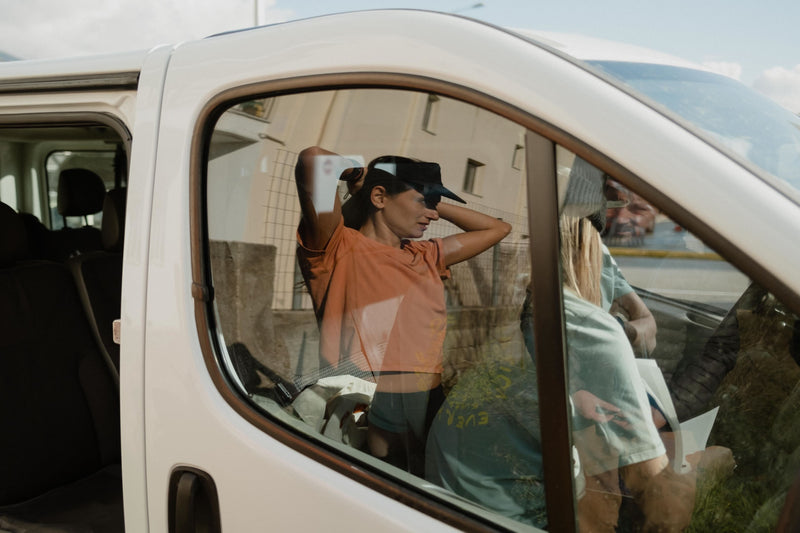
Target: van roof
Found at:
x=119, y=70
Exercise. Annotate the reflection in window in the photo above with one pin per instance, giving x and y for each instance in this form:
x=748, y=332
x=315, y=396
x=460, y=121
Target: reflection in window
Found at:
x=431, y=112
x=679, y=359
x=747, y=123
x=261, y=108
x=271, y=334
x=472, y=177
x=518, y=158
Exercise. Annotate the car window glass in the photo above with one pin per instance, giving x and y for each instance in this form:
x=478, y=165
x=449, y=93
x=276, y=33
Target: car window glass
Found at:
x=105, y=164
x=727, y=112
x=381, y=350
x=683, y=372
x=8, y=190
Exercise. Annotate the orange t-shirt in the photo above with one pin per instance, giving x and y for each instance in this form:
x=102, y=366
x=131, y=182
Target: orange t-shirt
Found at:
x=379, y=307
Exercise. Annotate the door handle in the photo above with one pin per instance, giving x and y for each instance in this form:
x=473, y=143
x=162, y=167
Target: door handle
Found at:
x=193, y=502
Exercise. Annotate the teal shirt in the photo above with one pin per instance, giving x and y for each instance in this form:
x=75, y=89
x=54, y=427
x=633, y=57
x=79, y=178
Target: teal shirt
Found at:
x=485, y=444
x=612, y=283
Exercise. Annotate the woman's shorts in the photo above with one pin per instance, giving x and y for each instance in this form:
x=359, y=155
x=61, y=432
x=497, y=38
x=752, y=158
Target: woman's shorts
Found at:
x=406, y=412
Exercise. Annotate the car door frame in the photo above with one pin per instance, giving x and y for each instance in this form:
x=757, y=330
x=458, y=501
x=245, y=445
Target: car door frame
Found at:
x=576, y=126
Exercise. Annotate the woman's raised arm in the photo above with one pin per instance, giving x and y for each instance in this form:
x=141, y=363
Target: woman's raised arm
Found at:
x=321, y=213
x=481, y=232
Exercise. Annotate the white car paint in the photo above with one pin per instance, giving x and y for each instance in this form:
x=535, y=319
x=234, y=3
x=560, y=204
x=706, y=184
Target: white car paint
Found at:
x=172, y=413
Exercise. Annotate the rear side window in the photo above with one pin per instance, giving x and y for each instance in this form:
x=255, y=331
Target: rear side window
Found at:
x=8, y=190
x=106, y=164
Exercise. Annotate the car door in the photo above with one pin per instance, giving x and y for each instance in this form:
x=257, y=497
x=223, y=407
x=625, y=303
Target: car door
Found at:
x=245, y=428
x=202, y=420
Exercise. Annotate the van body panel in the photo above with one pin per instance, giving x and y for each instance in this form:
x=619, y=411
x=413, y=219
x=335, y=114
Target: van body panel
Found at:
x=134, y=288
x=187, y=422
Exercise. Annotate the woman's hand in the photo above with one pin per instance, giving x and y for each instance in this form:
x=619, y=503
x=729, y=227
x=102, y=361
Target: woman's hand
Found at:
x=591, y=407
x=354, y=177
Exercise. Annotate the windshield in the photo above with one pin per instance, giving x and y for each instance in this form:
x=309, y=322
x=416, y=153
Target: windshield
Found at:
x=736, y=117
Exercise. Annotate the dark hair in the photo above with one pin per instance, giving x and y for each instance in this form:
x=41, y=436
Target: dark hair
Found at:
x=357, y=209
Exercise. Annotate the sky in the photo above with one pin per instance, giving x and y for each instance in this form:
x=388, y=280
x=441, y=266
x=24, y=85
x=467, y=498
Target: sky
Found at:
x=756, y=42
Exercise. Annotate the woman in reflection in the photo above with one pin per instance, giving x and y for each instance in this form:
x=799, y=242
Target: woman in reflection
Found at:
x=378, y=292
x=485, y=443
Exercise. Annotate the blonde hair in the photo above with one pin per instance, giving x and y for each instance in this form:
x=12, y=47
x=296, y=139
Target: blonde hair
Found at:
x=581, y=258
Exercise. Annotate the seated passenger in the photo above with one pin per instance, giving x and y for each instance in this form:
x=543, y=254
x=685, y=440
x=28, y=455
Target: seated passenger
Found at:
x=485, y=443
x=377, y=293
x=618, y=297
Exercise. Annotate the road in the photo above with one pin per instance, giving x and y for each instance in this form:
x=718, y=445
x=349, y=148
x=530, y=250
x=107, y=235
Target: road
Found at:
x=674, y=263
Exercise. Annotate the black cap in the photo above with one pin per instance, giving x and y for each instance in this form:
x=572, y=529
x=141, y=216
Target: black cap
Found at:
x=423, y=176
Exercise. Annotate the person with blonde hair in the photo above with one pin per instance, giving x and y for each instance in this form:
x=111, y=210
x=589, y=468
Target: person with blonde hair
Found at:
x=485, y=443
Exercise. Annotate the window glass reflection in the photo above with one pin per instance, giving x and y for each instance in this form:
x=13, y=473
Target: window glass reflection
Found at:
x=355, y=292
x=673, y=372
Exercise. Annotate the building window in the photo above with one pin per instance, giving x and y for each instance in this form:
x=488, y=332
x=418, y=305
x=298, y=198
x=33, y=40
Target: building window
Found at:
x=261, y=109
x=431, y=113
x=472, y=177
x=518, y=157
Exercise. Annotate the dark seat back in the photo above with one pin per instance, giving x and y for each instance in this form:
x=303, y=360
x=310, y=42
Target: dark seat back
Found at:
x=59, y=408
x=98, y=276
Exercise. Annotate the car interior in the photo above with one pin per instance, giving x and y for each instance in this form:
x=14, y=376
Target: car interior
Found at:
x=59, y=294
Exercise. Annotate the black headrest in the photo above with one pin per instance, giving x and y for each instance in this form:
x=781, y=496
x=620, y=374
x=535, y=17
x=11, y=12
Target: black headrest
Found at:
x=80, y=192
x=13, y=239
x=114, y=219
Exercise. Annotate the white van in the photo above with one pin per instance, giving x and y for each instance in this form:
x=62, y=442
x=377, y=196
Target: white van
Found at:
x=160, y=362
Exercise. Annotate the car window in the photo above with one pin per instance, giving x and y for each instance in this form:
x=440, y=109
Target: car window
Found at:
x=8, y=190
x=375, y=327
x=683, y=372
x=104, y=163
x=725, y=111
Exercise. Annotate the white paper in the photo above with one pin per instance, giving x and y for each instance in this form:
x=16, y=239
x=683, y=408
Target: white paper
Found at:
x=327, y=169
x=695, y=432
x=690, y=436
x=655, y=385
